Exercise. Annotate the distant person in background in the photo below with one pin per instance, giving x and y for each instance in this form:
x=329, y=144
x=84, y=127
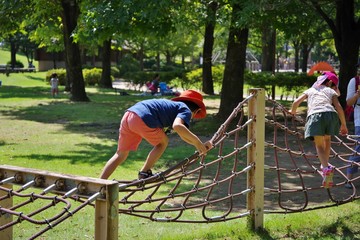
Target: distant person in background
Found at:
x=31, y=65
x=154, y=84
x=352, y=99
x=54, y=83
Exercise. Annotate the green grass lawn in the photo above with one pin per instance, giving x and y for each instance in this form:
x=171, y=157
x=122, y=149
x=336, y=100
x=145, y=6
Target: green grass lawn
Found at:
x=55, y=134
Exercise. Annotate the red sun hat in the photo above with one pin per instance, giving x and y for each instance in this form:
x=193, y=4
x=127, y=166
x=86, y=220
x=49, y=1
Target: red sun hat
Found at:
x=326, y=75
x=195, y=97
x=332, y=77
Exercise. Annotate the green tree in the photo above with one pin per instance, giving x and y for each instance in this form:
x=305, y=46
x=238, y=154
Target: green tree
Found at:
x=99, y=21
x=70, y=11
x=207, y=16
x=344, y=24
x=11, y=15
x=16, y=15
x=302, y=28
x=210, y=22
x=48, y=36
x=128, y=22
x=233, y=83
x=27, y=46
x=268, y=15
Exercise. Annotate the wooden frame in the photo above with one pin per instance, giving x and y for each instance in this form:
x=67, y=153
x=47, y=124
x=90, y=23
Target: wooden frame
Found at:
x=256, y=133
x=106, y=206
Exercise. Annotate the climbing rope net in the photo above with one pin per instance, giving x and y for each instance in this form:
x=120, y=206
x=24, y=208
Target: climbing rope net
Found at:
x=216, y=184
x=44, y=198
x=211, y=187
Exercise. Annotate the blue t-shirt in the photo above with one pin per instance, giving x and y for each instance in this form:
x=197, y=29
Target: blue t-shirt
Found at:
x=161, y=113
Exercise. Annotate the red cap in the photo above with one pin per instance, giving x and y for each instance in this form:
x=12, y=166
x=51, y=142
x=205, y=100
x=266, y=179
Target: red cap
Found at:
x=195, y=97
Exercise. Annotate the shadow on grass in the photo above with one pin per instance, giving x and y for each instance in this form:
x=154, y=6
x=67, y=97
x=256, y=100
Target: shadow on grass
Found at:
x=341, y=227
x=99, y=154
x=94, y=154
x=37, y=78
x=26, y=92
x=263, y=234
x=100, y=118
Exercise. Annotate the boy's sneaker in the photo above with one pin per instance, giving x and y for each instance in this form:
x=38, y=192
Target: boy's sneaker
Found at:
x=328, y=174
x=146, y=174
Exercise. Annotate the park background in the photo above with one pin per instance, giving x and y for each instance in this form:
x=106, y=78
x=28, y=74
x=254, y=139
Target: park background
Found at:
x=58, y=134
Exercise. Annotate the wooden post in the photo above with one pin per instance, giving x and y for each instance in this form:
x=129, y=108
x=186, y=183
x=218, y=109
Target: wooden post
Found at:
x=106, y=208
x=256, y=133
x=107, y=215
x=6, y=234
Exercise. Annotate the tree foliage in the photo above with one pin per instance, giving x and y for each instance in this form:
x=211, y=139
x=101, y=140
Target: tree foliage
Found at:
x=344, y=22
x=181, y=28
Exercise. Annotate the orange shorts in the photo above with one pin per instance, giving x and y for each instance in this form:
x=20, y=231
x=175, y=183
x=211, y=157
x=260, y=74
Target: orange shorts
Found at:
x=133, y=130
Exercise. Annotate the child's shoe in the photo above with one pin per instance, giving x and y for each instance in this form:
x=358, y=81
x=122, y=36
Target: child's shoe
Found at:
x=146, y=174
x=328, y=174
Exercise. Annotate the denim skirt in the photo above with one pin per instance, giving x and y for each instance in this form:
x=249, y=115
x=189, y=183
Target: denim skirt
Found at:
x=320, y=124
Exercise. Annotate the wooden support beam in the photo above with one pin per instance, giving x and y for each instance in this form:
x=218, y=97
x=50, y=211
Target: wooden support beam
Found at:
x=107, y=215
x=86, y=186
x=256, y=133
x=106, y=206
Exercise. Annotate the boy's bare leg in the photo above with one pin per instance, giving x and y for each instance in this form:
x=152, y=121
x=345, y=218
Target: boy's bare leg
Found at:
x=155, y=154
x=114, y=161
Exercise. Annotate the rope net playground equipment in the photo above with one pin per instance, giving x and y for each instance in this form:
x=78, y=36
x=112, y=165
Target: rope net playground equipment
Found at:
x=259, y=164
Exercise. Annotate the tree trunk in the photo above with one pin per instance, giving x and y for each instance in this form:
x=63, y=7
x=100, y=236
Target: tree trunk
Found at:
x=141, y=57
x=68, y=83
x=347, y=43
x=158, y=61
x=168, y=57
x=70, y=15
x=13, y=51
x=268, y=49
x=305, y=57
x=268, y=52
x=297, y=55
x=106, y=81
x=208, y=83
x=346, y=32
x=233, y=83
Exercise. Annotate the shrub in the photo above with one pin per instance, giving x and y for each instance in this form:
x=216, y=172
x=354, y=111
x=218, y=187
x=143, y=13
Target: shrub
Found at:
x=128, y=64
x=289, y=81
x=115, y=72
x=150, y=64
x=61, y=75
x=194, y=78
x=286, y=81
x=138, y=77
x=141, y=77
x=18, y=64
x=92, y=76
x=169, y=76
x=218, y=75
x=171, y=67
